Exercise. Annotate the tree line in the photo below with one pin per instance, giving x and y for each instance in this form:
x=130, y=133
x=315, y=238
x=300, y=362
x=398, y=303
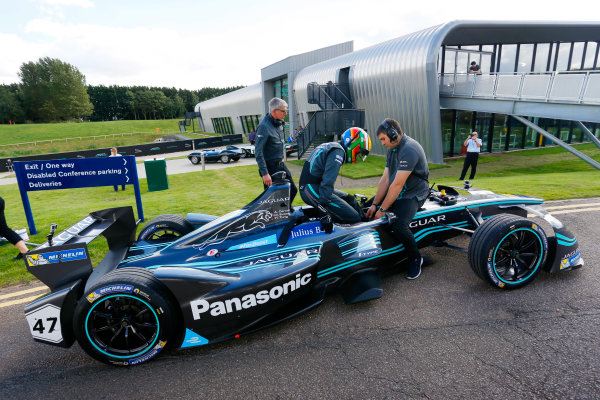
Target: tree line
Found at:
x=52, y=90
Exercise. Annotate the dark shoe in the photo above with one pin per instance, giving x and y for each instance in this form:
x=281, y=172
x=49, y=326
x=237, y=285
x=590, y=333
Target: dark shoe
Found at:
x=18, y=256
x=414, y=269
x=460, y=179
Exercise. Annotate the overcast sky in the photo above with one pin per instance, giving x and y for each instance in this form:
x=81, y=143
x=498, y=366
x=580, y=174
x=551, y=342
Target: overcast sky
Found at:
x=194, y=44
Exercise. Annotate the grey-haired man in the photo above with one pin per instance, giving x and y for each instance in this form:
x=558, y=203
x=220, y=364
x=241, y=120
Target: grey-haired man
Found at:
x=268, y=149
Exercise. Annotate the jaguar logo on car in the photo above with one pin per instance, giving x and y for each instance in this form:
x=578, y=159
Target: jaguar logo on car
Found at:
x=427, y=221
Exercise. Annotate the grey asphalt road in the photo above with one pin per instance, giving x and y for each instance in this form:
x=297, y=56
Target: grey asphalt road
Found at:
x=446, y=335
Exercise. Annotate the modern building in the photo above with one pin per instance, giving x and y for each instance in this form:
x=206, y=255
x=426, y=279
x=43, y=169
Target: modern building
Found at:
x=538, y=82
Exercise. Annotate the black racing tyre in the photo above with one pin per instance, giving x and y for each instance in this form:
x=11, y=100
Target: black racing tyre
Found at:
x=508, y=251
x=243, y=155
x=195, y=160
x=165, y=228
x=127, y=318
x=224, y=159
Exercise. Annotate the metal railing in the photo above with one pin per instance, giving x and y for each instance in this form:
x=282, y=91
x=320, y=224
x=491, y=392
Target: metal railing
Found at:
x=579, y=87
x=329, y=96
x=326, y=123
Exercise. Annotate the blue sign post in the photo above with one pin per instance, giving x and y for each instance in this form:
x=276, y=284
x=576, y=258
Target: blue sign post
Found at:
x=75, y=173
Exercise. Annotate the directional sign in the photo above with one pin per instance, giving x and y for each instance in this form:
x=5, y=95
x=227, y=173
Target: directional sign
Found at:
x=75, y=173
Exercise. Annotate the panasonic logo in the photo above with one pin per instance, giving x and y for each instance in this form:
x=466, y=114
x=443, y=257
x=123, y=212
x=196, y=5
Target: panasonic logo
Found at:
x=250, y=300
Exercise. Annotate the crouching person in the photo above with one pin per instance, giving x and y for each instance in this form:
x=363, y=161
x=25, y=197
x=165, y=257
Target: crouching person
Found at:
x=321, y=170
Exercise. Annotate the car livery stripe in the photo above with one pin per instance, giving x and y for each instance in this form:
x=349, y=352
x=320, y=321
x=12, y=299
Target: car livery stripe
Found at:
x=236, y=270
x=482, y=203
x=224, y=265
x=565, y=241
x=428, y=231
x=391, y=250
x=373, y=234
x=349, y=264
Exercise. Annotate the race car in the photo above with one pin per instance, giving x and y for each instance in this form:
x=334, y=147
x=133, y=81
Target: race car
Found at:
x=290, y=148
x=225, y=155
x=202, y=279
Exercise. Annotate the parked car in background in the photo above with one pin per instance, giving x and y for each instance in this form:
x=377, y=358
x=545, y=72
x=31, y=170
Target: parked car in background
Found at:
x=248, y=150
x=225, y=155
x=291, y=148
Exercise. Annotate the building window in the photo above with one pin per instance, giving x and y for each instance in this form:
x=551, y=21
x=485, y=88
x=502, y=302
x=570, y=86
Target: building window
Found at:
x=525, y=58
x=590, y=55
x=562, y=63
x=222, y=125
x=541, y=57
x=507, y=62
x=250, y=122
x=448, y=117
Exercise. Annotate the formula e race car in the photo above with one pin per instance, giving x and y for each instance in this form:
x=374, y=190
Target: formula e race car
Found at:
x=202, y=279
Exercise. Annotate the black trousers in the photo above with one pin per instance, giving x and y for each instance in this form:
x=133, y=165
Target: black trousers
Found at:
x=342, y=206
x=405, y=210
x=10, y=235
x=470, y=161
x=277, y=166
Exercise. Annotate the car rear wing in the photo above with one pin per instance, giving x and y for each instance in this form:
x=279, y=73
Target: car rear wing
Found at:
x=64, y=258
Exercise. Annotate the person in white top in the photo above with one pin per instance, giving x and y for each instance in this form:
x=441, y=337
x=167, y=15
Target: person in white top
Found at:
x=114, y=153
x=473, y=144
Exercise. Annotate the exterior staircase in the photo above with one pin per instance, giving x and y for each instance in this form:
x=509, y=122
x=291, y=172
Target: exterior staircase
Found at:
x=337, y=114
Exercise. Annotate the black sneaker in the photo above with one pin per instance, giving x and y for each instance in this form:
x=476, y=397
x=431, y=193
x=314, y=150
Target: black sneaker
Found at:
x=414, y=269
x=18, y=256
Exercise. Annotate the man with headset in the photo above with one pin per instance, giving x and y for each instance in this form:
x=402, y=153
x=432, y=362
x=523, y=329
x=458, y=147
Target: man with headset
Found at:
x=321, y=170
x=403, y=187
x=268, y=149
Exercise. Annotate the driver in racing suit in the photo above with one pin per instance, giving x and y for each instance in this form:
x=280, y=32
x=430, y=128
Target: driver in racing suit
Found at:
x=321, y=170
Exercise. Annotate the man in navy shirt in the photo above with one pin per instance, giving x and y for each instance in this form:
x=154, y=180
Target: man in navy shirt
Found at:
x=474, y=68
x=403, y=187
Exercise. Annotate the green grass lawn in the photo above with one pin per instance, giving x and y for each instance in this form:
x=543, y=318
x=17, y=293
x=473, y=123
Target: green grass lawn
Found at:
x=18, y=140
x=544, y=173
x=10, y=134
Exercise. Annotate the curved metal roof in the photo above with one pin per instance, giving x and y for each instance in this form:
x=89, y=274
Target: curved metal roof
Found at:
x=398, y=78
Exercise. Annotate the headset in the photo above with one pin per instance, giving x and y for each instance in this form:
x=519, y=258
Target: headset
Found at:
x=390, y=131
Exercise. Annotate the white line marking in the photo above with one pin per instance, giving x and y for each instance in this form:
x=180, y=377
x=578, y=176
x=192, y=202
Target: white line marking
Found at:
x=18, y=301
x=572, y=206
x=568, y=211
x=22, y=292
x=576, y=211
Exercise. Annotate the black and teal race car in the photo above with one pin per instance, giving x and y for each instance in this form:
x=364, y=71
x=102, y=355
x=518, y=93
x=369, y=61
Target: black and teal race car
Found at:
x=193, y=281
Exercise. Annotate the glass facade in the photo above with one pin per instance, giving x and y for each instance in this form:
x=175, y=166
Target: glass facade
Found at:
x=222, y=125
x=500, y=132
x=250, y=122
x=281, y=91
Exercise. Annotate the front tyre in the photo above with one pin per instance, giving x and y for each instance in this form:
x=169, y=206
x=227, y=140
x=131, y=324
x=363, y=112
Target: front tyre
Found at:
x=195, y=160
x=508, y=251
x=165, y=228
x=127, y=318
x=225, y=159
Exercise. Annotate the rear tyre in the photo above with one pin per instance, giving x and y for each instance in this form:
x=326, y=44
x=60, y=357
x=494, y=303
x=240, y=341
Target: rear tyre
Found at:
x=508, y=251
x=165, y=228
x=127, y=318
x=195, y=160
x=224, y=159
